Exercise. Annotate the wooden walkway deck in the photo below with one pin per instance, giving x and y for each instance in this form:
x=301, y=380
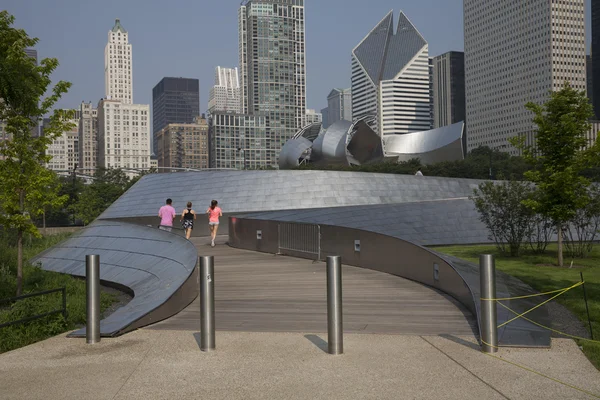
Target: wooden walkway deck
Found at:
x=258, y=292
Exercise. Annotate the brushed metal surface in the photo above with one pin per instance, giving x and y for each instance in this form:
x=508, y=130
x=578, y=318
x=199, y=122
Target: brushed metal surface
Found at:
x=335, y=320
x=207, y=303
x=489, y=319
x=92, y=288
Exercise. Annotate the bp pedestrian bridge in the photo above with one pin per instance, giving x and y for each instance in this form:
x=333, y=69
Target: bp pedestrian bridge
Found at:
x=280, y=226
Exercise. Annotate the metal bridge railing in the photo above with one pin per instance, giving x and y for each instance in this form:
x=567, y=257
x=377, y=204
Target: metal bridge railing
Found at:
x=299, y=238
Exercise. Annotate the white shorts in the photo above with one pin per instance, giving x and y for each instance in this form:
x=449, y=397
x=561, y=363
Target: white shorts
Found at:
x=213, y=223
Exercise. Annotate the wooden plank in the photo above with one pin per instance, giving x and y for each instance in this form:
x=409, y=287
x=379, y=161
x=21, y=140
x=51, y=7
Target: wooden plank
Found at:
x=258, y=292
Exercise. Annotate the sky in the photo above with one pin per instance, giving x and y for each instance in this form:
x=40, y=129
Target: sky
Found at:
x=189, y=38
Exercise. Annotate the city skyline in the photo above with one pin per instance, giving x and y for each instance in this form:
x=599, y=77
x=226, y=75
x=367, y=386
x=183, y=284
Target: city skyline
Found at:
x=157, y=55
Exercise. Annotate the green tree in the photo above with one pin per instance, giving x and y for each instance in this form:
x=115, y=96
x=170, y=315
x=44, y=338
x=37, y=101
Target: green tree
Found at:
x=24, y=178
x=559, y=156
x=108, y=185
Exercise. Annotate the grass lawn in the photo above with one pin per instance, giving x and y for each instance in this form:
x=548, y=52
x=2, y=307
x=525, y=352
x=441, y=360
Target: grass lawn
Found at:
x=536, y=271
x=37, y=280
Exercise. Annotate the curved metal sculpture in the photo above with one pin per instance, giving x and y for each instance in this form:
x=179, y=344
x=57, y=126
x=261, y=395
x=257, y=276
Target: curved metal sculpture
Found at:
x=356, y=143
x=436, y=145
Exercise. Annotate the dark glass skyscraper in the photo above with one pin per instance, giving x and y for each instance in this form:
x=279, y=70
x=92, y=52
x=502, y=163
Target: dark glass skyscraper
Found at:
x=174, y=101
x=596, y=55
x=448, y=88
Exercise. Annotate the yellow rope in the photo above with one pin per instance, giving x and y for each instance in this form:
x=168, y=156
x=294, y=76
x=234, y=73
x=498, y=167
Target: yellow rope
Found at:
x=550, y=329
x=545, y=376
x=530, y=295
x=541, y=304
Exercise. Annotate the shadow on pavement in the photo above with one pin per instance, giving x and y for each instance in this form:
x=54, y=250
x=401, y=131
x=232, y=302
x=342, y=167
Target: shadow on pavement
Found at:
x=317, y=341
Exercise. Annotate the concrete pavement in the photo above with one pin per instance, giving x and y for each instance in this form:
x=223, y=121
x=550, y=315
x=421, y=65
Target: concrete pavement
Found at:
x=149, y=364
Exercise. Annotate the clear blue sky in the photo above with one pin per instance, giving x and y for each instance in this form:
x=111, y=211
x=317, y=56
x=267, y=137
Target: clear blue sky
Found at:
x=189, y=38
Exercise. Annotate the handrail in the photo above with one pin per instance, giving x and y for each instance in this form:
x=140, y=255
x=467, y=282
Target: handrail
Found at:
x=63, y=310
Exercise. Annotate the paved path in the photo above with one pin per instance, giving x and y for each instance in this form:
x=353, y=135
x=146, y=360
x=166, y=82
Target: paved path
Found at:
x=258, y=292
x=150, y=364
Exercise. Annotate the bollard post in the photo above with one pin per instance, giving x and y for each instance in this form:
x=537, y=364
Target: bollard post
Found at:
x=335, y=326
x=489, y=318
x=207, y=303
x=92, y=286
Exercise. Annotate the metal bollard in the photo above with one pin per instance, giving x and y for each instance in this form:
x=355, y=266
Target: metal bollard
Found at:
x=489, y=319
x=92, y=286
x=335, y=325
x=207, y=303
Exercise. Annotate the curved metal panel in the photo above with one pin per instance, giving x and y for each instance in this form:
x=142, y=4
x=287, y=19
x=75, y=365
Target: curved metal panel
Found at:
x=292, y=151
x=249, y=191
x=441, y=144
x=154, y=264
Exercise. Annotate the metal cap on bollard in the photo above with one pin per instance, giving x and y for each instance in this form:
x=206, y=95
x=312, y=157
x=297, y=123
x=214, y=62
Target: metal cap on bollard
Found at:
x=92, y=285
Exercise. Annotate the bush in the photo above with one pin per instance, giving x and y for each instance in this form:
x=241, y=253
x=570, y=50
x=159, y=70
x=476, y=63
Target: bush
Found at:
x=502, y=210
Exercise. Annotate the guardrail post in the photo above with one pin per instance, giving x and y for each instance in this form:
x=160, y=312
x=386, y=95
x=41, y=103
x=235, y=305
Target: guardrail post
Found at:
x=489, y=319
x=335, y=329
x=92, y=285
x=207, y=303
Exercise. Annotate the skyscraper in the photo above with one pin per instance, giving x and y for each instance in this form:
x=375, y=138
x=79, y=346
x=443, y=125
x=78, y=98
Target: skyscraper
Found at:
x=88, y=138
x=174, y=101
x=339, y=106
x=312, y=117
x=33, y=54
x=516, y=53
x=123, y=127
x=448, y=88
x=596, y=55
x=390, y=78
x=225, y=94
x=589, y=76
x=64, y=149
x=118, y=75
x=273, y=67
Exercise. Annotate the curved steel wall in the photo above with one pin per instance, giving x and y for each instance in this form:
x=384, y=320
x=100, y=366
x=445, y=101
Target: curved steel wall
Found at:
x=154, y=264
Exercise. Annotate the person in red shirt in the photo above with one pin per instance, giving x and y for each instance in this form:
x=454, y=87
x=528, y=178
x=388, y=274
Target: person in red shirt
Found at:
x=213, y=212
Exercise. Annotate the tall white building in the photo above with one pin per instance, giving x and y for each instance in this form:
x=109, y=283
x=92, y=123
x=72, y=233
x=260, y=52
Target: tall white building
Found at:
x=118, y=71
x=225, y=95
x=88, y=138
x=123, y=135
x=123, y=127
x=391, y=78
x=516, y=53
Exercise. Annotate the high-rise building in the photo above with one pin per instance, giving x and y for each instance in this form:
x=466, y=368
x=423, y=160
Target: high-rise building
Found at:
x=325, y=117
x=589, y=76
x=33, y=54
x=312, y=117
x=596, y=55
x=273, y=68
x=64, y=150
x=516, y=53
x=225, y=94
x=123, y=127
x=239, y=141
x=123, y=136
x=88, y=138
x=118, y=69
x=339, y=105
x=183, y=145
x=174, y=101
x=448, y=88
x=390, y=78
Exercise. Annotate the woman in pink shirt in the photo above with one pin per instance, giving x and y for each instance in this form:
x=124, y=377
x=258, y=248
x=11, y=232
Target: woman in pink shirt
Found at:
x=214, y=212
